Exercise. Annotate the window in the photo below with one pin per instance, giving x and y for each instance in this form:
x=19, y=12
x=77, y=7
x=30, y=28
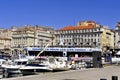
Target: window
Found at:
x=88, y=35
x=90, y=30
x=79, y=35
x=71, y=31
x=98, y=35
x=83, y=31
x=91, y=40
x=94, y=40
x=98, y=40
x=75, y=31
x=80, y=31
x=66, y=31
x=95, y=29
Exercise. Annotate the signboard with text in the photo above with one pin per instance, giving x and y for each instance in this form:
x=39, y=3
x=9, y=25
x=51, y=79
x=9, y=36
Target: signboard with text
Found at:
x=64, y=49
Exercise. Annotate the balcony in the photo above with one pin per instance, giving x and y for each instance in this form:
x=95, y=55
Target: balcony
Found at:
x=7, y=47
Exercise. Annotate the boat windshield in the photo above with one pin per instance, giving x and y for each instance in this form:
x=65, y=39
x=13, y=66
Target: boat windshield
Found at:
x=38, y=61
x=21, y=63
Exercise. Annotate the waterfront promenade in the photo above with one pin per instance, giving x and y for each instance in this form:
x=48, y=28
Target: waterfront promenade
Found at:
x=84, y=74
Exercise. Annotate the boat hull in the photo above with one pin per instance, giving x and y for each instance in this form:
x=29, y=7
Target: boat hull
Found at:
x=34, y=70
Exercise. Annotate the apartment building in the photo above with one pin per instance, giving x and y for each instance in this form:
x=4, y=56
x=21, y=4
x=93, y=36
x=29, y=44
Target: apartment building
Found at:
x=31, y=36
x=85, y=34
x=5, y=40
x=117, y=36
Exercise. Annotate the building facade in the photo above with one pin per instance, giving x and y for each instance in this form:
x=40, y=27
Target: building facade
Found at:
x=30, y=36
x=5, y=40
x=85, y=34
x=117, y=36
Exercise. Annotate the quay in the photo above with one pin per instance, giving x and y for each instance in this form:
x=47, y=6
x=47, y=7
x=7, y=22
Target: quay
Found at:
x=82, y=74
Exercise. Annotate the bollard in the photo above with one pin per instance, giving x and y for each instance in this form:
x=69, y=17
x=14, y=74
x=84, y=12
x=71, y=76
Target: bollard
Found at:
x=114, y=77
x=103, y=79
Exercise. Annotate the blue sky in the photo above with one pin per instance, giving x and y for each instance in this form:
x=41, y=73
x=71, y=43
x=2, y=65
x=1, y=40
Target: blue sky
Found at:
x=58, y=13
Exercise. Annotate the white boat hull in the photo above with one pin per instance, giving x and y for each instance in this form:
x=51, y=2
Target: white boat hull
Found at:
x=115, y=60
x=33, y=70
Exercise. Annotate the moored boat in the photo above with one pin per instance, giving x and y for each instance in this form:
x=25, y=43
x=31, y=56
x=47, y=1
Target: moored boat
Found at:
x=13, y=67
x=58, y=64
x=35, y=66
x=116, y=58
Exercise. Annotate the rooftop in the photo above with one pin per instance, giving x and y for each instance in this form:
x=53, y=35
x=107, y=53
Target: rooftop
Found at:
x=77, y=27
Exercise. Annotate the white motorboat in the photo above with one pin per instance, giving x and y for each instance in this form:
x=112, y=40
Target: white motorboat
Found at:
x=58, y=63
x=13, y=67
x=10, y=68
x=37, y=65
x=116, y=58
x=2, y=61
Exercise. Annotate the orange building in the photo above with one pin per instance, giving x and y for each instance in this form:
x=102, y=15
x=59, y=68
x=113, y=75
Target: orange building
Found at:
x=85, y=34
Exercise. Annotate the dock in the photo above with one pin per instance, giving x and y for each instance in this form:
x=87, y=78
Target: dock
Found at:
x=81, y=74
